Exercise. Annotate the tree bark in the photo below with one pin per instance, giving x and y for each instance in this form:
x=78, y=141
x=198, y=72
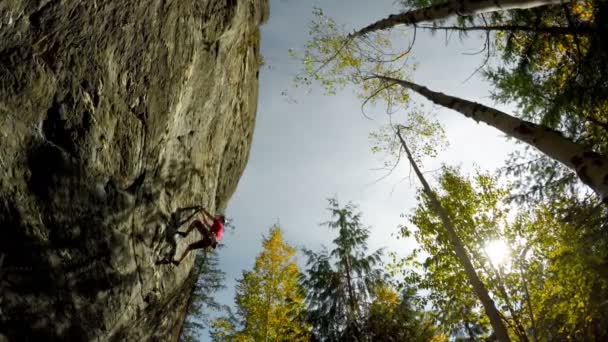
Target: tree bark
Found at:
x=351, y=294
x=478, y=287
x=582, y=29
x=451, y=8
x=349, y=285
x=590, y=167
x=495, y=277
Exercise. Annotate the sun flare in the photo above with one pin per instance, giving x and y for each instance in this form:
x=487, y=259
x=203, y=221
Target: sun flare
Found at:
x=497, y=251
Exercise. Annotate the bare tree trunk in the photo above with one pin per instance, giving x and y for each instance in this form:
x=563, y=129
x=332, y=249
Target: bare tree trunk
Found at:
x=351, y=292
x=478, y=287
x=451, y=8
x=590, y=167
x=581, y=29
x=495, y=277
x=354, y=306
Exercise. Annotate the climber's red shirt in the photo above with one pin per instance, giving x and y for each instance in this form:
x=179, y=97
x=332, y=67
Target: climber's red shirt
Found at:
x=217, y=229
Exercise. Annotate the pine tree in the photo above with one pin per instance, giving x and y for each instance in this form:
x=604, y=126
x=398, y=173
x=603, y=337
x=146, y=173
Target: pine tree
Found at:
x=269, y=299
x=340, y=282
x=202, y=301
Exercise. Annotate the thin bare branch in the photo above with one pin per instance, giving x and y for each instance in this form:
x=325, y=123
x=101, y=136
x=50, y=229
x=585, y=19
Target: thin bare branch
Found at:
x=486, y=58
x=378, y=91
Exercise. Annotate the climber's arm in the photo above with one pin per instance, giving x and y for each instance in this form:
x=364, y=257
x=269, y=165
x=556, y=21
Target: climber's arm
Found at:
x=209, y=216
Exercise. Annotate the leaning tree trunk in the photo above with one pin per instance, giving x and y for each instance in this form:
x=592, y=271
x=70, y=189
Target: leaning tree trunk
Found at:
x=580, y=29
x=590, y=167
x=478, y=287
x=449, y=9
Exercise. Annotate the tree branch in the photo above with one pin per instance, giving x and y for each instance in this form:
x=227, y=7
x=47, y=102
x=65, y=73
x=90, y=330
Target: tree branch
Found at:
x=448, y=9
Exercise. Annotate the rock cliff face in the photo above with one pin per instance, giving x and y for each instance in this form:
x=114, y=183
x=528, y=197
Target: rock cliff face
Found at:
x=114, y=114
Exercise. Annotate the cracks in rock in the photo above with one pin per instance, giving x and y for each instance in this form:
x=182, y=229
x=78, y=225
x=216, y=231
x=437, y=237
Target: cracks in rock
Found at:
x=137, y=183
x=144, y=135
x=137, y=268
x=133, y=189
x=43, y=135
x=180, y=138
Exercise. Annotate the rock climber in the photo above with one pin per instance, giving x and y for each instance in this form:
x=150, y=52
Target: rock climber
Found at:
x=211, y=229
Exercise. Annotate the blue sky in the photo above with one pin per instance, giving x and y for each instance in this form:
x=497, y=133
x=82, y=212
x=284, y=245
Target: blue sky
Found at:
x=317, y=147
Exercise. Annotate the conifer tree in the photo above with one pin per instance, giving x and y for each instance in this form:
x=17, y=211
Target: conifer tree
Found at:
x=210, y=279
x=340, y=282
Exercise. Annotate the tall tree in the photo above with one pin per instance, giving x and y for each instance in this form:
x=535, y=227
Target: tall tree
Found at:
x=559, y=81
x=269, y=299
x=448, y=9
x=541, y=269
x=340, y=282
x=556, y=80
x=591, y=167
x=210, y=279
x=554, y=68
x=458, y=247
x=550, y=62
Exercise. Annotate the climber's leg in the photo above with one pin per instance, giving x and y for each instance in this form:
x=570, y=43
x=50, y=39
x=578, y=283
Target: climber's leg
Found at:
x=204, y=243
x=201, y=227
x=195, y=210
x=176, y=217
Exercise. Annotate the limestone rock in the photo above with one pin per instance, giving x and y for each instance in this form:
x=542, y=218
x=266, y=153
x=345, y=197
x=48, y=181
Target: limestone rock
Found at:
x=114, y=114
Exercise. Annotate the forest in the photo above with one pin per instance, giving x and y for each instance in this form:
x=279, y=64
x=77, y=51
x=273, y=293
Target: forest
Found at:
x=516, y=254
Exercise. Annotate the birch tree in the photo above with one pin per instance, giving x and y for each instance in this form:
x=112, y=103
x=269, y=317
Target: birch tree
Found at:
x=210, y=280
x=449, y=9
x=374, y=67
x=557, y=80
x=591, y=167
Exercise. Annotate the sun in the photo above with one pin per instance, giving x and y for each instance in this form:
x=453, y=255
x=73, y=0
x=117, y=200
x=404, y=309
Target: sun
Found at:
x=497, y=251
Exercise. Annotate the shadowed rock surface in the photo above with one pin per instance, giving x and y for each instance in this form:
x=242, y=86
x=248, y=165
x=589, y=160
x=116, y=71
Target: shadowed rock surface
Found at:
x=114, y=114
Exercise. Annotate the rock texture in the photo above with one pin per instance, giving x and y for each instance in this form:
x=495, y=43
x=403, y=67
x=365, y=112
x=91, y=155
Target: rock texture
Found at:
x=114, y=114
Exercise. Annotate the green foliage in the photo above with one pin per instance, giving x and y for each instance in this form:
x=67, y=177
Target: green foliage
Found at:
x=553, y=286
x=269, y=299
x=557, y=80
x=413, y=4
x=223, y=328
x=393, y=317
x=455, y=305
x=562, y=258
x=334, y=60
x=422, y=132
x=549, y=287
x=556, y=77
x=552, y=68
x=340, y=282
